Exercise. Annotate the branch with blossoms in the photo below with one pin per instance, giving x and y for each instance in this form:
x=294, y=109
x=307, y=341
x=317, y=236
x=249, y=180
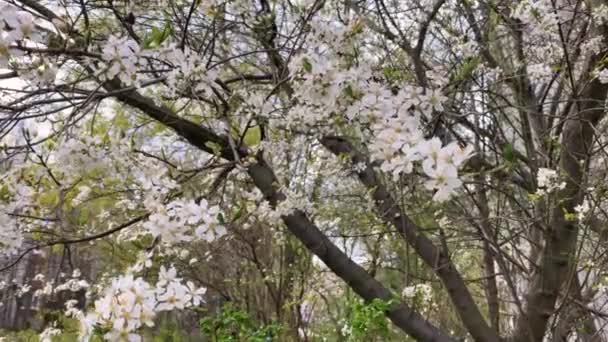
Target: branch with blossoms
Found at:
x=404, y=91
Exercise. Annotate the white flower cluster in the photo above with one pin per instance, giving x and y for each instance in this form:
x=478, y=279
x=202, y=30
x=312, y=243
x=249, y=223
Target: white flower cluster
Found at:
x=265, y=212
x=83, y=193
x=539, y=72
x=582, y=210
x=130, y=303
x=600, y=14
x=400, y=143
x=395, y=141
x=412, y=291
x=325, y=85
x=422, y=294
x=40, y=73
x=154, y=177
x=602, y=75
x=78, y=156
x=548, y=181
x=441, y=165
x=346, y=329
x=25, y=288
x=72, y=284
x=189, y=72
x=19, y=29
x=293, y=201
x=174, y=223
x=17, y=25
x=466, y=49
x=539, y=18
x=20, y=23
x=541, y=13
x=122, y=57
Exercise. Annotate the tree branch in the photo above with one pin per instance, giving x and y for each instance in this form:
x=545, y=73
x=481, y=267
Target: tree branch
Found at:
x=432, y=255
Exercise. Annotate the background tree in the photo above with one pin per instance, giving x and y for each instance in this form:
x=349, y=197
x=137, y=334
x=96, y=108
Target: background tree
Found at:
x=443, y=161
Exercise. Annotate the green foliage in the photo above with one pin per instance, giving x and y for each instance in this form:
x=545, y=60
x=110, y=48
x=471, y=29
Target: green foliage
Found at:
x=49, y=199
x=68, y=327
x=508, y=153
x=253, y=136
x=368, y=321
x=20, y=336
x=167, y=331
x=233, y=324
x=393, y=74
x=466, y=69
x=307, y=65
x=216, y=148
x=571, y=217
x=157, y=36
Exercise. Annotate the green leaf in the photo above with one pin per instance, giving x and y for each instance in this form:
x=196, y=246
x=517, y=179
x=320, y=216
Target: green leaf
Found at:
x=534, y=197
x=157, y=36
x=467, y=68
x=352, y=93
x=391, y=73
x=253, y=136
x=5, y=193
x=49, y=199
x=121, y=121
x=214, y=147
x=569, y=216
x=307, y=66
x=508, y=153
x=237, y=215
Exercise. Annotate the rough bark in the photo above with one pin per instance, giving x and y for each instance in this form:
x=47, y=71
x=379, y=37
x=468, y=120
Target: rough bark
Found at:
x=557, y=256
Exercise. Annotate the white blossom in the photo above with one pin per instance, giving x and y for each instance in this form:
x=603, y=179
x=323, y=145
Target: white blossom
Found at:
x=48, y=333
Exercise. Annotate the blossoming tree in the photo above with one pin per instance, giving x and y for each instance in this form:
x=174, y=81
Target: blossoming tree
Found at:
x=468, y=133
